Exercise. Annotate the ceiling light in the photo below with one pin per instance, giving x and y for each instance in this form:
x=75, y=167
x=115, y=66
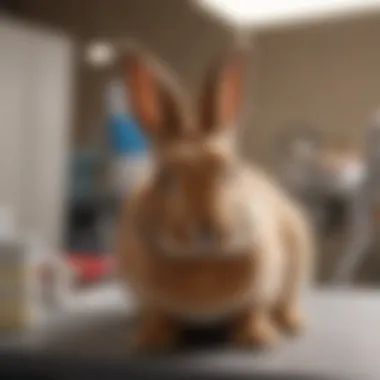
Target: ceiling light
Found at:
x=100, y=54
x=269, y=12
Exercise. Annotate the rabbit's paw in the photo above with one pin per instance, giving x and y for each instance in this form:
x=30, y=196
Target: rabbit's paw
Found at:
x=290, y=318
x=256, y=330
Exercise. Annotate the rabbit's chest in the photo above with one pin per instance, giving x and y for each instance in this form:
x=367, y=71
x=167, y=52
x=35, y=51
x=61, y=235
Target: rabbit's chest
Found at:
x=204, y=289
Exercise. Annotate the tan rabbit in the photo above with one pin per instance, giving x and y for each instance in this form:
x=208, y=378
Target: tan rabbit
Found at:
x=207, y=237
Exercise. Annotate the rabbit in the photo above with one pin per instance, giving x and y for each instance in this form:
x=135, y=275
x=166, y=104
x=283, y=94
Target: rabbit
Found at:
x=207, y=237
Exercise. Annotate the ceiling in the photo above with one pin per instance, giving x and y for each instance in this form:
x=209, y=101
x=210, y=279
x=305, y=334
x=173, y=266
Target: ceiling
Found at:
x=111, y=18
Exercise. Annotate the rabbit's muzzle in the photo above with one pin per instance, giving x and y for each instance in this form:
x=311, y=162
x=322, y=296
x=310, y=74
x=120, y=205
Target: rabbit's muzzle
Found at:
x=203, y=237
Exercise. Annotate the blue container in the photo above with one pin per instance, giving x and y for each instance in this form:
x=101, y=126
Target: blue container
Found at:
x=126, y=137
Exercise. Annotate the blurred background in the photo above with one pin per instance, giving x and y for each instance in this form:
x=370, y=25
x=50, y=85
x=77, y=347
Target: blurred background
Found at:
x=70, y=149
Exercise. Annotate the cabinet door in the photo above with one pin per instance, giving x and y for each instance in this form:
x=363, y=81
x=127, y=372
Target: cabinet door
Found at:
x=48, y=136
x=14, y=82
x=35, y=115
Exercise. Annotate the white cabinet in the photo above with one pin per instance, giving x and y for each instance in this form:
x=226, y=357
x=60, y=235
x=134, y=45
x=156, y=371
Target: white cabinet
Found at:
x=36, y=77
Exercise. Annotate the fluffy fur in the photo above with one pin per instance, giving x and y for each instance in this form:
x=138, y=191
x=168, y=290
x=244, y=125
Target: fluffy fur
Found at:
x=207, y=237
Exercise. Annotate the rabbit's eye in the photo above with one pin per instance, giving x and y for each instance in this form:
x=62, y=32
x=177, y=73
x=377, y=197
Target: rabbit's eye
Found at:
x=167, y=180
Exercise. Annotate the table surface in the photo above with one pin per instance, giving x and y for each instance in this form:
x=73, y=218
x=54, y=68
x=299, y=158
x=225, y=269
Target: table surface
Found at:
x=343, y=341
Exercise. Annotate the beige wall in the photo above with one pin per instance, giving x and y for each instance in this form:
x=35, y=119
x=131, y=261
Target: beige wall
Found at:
x=327, y=75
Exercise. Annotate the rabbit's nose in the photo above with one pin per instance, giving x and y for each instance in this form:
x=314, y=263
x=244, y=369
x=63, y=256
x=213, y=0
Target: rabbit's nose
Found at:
x=206, y=232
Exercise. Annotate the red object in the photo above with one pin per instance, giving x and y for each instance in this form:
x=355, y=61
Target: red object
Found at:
x=89, y=268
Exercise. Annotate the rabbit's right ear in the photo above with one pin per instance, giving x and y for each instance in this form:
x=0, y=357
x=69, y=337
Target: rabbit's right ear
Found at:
x=222, y=93
x=155, y=98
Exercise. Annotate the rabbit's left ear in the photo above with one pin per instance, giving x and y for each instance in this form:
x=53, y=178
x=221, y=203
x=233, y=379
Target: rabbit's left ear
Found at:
x=222, y=93
x=156, y=99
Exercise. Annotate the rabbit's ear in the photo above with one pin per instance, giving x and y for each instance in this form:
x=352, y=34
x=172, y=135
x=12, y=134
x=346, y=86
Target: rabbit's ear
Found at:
x=155, y=98
x=222, y=92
